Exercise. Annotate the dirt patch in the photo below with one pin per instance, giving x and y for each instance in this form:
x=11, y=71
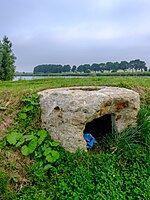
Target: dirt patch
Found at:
x=140, y=90
x=6, y=120
x=144, y=94
x=15, y=166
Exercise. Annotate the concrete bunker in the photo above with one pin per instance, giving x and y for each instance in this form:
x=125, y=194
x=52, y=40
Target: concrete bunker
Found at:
x=69, y=113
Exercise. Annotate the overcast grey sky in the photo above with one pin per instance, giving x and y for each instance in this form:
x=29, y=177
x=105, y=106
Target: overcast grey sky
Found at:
x=76, y=31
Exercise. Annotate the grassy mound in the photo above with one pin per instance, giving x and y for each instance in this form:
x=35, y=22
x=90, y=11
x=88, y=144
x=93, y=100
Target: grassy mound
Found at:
x=34, y=167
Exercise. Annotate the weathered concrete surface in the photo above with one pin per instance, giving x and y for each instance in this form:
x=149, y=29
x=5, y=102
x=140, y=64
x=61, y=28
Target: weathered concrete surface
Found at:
x=65, y=111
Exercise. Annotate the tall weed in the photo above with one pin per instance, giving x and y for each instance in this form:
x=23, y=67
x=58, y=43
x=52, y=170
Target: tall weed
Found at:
x=132, y=141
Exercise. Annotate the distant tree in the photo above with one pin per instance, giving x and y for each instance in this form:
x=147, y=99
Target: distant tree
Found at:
x=66, y=68
x=1, y=55
x=87, y=68
x=102, y=67
x=51, y=68
x=109, y=66
x=95, y=67
x=57, y=68
x=115, y=66
x=7, y=60
x=143, y=66
x=124, y=65
x=74, y=68
x=83, y=68
x=137, y=65
x=87, y=71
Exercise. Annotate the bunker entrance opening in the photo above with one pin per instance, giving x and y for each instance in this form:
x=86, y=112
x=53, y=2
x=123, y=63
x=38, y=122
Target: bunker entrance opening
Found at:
x=99, y=128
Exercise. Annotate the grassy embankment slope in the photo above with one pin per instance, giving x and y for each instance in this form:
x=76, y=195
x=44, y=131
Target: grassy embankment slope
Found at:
x=119, y=174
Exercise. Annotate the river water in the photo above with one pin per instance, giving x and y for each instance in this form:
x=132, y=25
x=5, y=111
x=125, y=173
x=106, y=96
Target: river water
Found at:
x=16, y=78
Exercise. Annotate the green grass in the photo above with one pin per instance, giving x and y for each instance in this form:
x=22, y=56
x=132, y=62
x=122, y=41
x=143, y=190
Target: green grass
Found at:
x=120, y=171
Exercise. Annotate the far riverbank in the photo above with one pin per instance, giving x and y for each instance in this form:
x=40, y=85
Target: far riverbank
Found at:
x=30, y=76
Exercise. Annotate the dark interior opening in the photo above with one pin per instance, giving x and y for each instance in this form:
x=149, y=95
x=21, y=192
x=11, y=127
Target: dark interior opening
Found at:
x=99, y=127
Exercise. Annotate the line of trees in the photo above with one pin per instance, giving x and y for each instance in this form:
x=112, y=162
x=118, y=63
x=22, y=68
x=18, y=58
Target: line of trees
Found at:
x=52, y=68
x=7, y=60
x=133, y=65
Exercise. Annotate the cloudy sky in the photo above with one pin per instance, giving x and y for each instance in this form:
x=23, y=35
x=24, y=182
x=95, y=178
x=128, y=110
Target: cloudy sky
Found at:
x=76, y=31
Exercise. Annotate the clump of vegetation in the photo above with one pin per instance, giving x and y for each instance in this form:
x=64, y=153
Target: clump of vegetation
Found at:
x=5, y=192
x=132, y=141
x=28, y=135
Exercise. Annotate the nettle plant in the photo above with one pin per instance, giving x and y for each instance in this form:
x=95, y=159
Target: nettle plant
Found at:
x=28, y=136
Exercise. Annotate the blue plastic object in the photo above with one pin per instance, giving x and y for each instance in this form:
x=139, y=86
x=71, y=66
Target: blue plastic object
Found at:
x=90, y=140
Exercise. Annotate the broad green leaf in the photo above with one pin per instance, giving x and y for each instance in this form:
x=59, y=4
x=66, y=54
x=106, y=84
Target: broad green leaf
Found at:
x=44, y=147
x=42, y=133
x=22, y=115
x=47, y=151
x=21, y=141
x=40, y=140
x=55, y=144
x=17, y=135
x=55, y=154
x=48, y=166
x=38, y=155
x=13, y=137
x=28, y=137
x=49, y=158
x=35, y=138
x=34, y=103
x=34, y=95
x=24, y=150
x=32, y=145
x=2, y=144
x=27, y=108
x=24, y=99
